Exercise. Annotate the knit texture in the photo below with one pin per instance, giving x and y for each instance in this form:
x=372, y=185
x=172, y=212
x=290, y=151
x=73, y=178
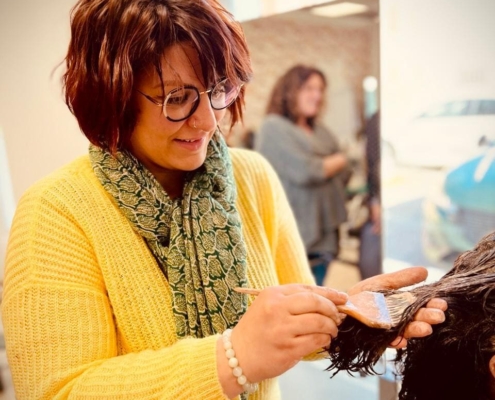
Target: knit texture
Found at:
x=87, y=312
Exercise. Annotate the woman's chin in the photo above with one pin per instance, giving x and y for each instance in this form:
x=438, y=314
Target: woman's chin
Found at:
x=191, y=165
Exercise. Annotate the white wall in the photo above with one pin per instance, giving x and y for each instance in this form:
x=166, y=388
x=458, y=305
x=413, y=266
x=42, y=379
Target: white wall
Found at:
x=40, y=133
x=431, y=51
x=245, y=10
x=7, y=202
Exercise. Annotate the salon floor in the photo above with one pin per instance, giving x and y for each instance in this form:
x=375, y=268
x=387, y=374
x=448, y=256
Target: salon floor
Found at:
x=308, y=380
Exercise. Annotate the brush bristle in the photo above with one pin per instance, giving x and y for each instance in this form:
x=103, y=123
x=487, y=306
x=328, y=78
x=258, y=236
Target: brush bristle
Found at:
x=396, y=305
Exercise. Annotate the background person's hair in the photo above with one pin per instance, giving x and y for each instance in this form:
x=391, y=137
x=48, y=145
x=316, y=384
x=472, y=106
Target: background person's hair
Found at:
x=451, y=363
x=114, y=40
x=283, y=98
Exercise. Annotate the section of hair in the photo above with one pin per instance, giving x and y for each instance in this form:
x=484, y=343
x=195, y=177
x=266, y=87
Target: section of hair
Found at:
x=452, y=362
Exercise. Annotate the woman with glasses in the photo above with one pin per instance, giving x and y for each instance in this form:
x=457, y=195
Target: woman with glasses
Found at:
x=122, y=266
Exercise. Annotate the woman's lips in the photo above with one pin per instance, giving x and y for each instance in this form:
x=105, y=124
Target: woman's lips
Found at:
x=190, y=144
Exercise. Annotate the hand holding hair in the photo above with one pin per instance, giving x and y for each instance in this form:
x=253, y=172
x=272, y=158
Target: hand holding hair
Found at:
x=455, y=359
x=431, y=314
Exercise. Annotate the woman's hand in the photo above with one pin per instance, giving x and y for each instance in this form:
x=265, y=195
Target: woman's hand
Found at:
x=282, y=325
x=431, y=314
x=334, y=163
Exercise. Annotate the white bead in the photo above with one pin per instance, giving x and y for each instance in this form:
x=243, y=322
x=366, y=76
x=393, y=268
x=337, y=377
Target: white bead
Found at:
x=251, y=387
x=233, y=362
x=241, y=380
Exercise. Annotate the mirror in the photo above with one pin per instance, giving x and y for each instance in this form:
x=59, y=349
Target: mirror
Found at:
x=346, y=50
x=438, y=129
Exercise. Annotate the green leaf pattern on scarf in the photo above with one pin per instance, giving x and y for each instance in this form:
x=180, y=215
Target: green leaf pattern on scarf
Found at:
x=197, y=240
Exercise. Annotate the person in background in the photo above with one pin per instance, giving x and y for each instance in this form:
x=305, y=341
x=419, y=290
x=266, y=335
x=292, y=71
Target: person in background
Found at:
x=308, y=160
x=370, y=249
x=122, y=266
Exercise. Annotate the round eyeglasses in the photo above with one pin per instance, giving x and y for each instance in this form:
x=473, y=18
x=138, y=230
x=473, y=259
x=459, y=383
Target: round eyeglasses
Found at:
x=180, y=103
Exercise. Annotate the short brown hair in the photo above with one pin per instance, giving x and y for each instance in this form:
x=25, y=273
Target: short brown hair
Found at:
x=113, y=40
x=283, y=99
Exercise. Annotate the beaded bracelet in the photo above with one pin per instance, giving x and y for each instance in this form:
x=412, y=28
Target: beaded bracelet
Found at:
x=234, y=364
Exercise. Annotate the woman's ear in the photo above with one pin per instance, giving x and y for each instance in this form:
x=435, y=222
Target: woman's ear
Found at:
x=491, y=367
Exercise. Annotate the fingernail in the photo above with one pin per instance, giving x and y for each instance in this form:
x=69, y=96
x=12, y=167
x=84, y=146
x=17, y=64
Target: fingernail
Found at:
x=396, y=341
x=344, y=295
x=441, y=317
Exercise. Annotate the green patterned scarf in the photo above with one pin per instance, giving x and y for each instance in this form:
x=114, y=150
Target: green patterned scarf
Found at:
x=196, y=239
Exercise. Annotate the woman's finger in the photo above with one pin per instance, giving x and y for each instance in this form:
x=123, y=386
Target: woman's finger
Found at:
x=438, y=303
x=394, y=280
x=308, y=324
x=331, y=294
x=311, y=302
x=417, y=329
x=307, y=344
x=399, y=343
x=431, y=316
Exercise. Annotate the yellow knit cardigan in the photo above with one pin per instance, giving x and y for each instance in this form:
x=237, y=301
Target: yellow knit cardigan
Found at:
x=86, y=310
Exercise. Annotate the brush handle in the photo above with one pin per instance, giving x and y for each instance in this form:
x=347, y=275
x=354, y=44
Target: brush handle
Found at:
x=254, y=292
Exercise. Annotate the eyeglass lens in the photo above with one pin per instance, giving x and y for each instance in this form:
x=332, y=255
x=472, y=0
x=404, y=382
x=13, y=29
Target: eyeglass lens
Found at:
x=181, y=103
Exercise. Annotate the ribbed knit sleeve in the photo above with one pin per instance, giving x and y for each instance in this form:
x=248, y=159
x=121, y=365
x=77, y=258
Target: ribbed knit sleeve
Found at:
x=64, y=337
x=290, y=156
x=259, y=184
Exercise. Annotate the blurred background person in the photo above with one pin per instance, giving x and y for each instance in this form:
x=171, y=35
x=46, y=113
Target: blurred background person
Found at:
x=308, y=160
x=247, y=139
x=370, y=251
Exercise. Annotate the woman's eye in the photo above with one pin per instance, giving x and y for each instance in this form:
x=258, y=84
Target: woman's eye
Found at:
x=218, y=91
x=179, y=98
x=176, y=100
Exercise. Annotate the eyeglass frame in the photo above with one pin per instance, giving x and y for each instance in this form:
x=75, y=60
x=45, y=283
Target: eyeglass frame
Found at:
x=196, y=105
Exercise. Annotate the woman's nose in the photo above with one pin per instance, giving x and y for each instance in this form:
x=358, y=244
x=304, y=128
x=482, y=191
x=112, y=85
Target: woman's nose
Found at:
x=205, y=114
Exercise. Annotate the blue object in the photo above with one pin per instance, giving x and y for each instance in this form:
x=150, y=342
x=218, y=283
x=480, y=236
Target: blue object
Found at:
x=472, y=184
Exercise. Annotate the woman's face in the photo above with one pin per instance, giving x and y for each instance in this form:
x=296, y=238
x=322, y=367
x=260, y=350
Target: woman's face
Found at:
x=163, y=146
x=310, y=97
